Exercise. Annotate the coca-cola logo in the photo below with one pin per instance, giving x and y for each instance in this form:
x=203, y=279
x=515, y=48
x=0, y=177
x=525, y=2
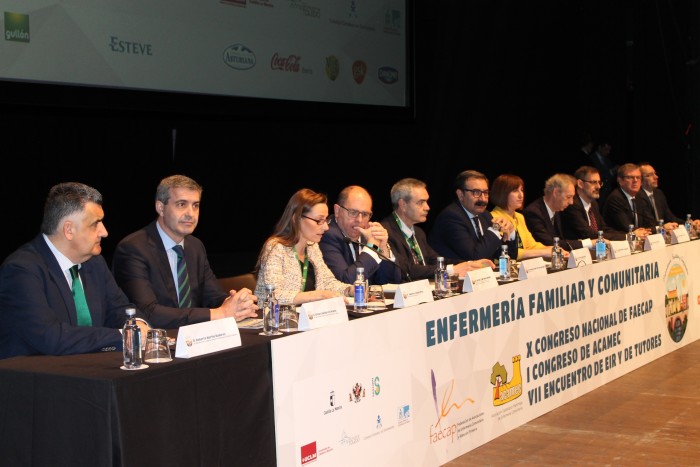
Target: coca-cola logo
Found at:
x=359, y=70
x=290, y=63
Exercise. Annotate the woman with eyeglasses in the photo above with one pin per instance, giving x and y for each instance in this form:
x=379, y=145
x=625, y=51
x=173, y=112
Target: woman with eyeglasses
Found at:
x=291, y=259
x=508, y=197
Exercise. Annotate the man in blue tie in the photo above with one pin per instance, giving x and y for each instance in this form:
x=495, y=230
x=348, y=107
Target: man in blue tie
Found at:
x=164, y=269
x=57, y=294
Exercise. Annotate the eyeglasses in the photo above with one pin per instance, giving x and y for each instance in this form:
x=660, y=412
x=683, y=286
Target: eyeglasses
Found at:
x=354, y=213
x=327, y=220
x=477, y=193
x=631, y=177
x=593, y=182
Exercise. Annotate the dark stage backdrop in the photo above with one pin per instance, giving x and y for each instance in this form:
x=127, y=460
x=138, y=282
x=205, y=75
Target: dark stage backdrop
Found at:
x=500, y=87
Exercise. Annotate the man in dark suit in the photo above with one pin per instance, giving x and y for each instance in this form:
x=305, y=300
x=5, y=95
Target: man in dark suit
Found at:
x=409, y=198
x=583, y=220
x=628, y=204
x=145, y=265
x=659, y=204
x=465, y=230
x=39, y=280
x=351, y=221
x=543, y=215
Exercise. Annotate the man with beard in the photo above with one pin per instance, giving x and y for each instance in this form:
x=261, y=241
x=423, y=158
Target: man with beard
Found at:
x=465, y=230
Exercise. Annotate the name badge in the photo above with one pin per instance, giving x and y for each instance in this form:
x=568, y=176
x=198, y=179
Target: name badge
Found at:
x=314, y=315
x=534, y=267
x=620, y=248
x=579, y=257
x=479, y=279
x=654, y=242
x=203, y=338
x=413, y=293
x=679, y=235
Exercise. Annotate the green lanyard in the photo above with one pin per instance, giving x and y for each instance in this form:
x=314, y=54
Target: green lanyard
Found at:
x=410, y=240
x=304, y=267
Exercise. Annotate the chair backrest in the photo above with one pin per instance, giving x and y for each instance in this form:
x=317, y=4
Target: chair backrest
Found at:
x=238, y=282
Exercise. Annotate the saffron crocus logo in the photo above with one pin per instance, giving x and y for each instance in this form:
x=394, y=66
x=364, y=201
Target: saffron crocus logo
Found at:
x=676, y=302
x=505, y=391
x=16, y=27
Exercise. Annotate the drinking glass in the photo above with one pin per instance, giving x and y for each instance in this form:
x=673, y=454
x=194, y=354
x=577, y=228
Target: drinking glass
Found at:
x=157, y=349
x=375, y=296
x=453, y=284
x=289, y=318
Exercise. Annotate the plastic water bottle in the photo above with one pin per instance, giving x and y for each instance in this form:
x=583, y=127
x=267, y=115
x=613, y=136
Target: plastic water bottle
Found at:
x=360, y=285
x=557, y=255
x=631, y=238
x=271, y=311
x=601, y=253
x=441, y=287
x=504, y=263
x=660, y=229
x=131, y=340
x=689, y=225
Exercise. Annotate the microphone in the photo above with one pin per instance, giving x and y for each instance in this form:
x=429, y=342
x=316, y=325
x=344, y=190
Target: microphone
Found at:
x=375, y=248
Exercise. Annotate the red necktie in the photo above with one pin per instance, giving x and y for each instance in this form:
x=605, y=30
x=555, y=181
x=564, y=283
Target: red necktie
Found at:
x=594, y=222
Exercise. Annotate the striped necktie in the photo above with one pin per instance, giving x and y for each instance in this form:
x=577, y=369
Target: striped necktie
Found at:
x=477, y=227
x=594, y=222
x=81, y=306
x=183, y=279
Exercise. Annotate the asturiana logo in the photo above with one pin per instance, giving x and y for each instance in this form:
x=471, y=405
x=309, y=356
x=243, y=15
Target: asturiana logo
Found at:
x=308, y=453
x=16, y=27
x=239, y=57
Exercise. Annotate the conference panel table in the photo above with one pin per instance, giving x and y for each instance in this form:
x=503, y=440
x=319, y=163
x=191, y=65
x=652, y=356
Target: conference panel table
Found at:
x=82, y=410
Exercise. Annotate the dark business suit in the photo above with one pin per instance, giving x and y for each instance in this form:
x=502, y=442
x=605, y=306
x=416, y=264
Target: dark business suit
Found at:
x=403, y=253
x=141, y=268
x=540, y=225
x=663, y=208
x=618, y=212
x=338, y=258
x=38, y=310
x=453, y=236
x=575, y=223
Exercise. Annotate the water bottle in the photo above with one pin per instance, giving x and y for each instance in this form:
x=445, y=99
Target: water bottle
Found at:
x=271, y=311
x=689, y=225
x=441, y=287
x=131, y=340
x=360, y=286
x=660, y=229
x=557, y=255
x=631, y=238
x=504, y=263
x=600, y=249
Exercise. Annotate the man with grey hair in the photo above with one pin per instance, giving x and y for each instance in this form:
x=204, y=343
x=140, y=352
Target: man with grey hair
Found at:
x=543, y=215
x=164, y=269
x=409, y=198
x=57, y=294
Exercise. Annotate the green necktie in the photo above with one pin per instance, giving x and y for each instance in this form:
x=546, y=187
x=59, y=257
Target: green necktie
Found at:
x=81, y=306
x=183, y=279
x=416, y=249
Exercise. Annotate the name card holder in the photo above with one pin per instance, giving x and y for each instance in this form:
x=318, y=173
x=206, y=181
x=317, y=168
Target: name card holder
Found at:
x=619, y=249
x=479, y=279
x=413, y=293
x=204, y=338
x=579, y=257
x=314, y=315
x=679, y=235
x=534, y=267
x=654, y=242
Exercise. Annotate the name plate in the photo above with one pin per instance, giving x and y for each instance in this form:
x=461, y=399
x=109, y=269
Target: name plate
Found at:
x=679, y=235
x=203, y=338
x=579, y=257
x=654, y=242
x=619, y=248
x=314, y=315
x=534, y=267
x=413, y=293
x=479, y=279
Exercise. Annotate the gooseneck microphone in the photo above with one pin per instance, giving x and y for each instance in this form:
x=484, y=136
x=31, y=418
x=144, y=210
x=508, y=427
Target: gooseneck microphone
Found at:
x=375, y=248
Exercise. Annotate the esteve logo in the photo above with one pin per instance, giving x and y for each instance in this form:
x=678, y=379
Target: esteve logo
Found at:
x=16, y=27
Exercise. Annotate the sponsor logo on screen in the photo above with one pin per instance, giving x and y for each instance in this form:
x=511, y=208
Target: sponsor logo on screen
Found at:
x=388, y=75
x=333, y=403
x=16, y=27
x=404, y=414
x=241, y=3
x=291, y=63
x=308, y=453
x=359, y=71
x=332, y=67
x=392, y=21
x=239, y=57
x=303, y=7
x=375, y=386
x=129, y=47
